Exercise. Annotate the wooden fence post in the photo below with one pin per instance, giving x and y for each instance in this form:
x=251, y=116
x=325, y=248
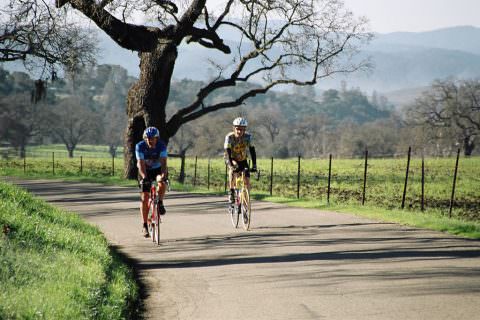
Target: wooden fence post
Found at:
x=271, y=177
x=81, y=164
x=195, y=173
x=329, y=177
x=181, y=177
x=454, y=183
x=298, y=178
x=53, y=163
x=365, y=177
x=423, y=184
x=25, y=164
x=113, y=165
x=406, y=178
x=208, y=175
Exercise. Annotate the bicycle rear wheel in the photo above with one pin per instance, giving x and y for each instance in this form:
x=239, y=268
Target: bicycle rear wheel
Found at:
x=246, y=208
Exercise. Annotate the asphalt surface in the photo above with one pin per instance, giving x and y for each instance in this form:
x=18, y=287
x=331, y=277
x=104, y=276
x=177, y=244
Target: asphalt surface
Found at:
x=293, y=264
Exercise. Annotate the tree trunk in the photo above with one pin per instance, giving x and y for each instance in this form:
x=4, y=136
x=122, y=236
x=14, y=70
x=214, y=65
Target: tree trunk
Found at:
x=22, y=151
x=468, y=146
x=147, y=100
x=70, y=152
x=181, y=177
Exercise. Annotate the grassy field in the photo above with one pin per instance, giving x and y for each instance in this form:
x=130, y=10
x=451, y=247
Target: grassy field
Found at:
x=384, y=187
x=55, y=266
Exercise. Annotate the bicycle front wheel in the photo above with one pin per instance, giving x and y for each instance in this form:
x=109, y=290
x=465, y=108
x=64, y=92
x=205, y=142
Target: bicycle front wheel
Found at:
x=151, y=220
x=157, y=226
x=246, y=208
x=234, y=216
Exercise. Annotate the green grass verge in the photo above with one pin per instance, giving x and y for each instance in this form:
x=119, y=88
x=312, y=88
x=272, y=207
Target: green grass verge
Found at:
x=53, y=265
x=430, y=219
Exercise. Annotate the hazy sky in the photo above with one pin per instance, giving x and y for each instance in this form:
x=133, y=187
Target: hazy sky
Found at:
x=416, y=15
x=409, y=15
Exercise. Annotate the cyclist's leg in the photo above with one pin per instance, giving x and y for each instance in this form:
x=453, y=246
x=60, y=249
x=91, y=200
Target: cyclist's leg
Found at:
x=231, y=183
x=144, y=198
x=162, y=188
x=242, y=166
x=232, y=175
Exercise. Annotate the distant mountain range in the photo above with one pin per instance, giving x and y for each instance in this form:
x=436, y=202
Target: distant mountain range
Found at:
x=406, y=59
x=401, y=59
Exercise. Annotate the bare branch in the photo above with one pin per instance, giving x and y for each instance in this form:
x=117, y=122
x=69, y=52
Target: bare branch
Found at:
x=198, y=35
x=128, y=36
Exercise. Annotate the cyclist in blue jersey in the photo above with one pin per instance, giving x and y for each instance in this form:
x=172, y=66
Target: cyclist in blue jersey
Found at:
x=151, y=156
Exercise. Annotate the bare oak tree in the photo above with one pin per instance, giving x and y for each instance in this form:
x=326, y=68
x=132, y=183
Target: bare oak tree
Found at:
x=279, y=42
x=72, y=123
x=21, y=120
x=271, y=121
x=454, y=108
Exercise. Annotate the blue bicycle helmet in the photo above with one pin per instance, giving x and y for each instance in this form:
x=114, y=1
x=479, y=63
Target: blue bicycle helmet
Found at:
x=151, y=132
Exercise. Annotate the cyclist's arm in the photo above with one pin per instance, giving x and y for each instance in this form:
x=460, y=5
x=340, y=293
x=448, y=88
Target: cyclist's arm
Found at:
x=142, y=169
x=254, y=156
x=229, y=157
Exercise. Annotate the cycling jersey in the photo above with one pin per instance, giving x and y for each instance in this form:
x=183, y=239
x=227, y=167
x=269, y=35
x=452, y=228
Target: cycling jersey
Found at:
x=238, y=145
x=151, y=155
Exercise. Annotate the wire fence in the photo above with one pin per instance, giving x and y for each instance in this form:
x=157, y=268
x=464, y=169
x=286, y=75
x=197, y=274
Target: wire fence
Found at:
x=450, y=184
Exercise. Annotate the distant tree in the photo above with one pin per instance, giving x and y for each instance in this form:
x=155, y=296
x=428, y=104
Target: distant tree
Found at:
x=309, y=133
x=113, y=128
x=184, y=140
x=280, y=42
x=5, y=83
x=115, y=86
x=271, y=121
x=43, y=38
x=210, y=134
x=73, y=123
x=22, y=120
x=453, y=108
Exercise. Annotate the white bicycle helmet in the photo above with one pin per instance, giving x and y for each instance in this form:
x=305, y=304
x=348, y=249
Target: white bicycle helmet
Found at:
x=240, y=122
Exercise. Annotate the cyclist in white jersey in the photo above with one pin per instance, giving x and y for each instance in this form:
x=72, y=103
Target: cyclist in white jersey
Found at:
x=235, y=146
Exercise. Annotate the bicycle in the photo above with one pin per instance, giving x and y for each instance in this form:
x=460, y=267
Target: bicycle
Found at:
x=154, y=217
x=242, y=204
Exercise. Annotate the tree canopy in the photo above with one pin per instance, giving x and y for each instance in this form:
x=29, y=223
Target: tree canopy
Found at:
x=279, y=42
x=451, y=109
x=43, y=38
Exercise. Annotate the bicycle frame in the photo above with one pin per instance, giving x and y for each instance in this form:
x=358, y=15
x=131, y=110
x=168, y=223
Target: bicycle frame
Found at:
x=242, y=202
x=155, y=218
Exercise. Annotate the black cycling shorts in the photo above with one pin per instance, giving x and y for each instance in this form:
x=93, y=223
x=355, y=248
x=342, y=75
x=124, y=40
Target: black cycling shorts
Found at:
x=147, y=182
x=242, y=165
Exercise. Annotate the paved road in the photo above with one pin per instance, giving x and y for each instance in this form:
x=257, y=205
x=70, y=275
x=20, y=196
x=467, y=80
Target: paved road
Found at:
x=293, y=264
